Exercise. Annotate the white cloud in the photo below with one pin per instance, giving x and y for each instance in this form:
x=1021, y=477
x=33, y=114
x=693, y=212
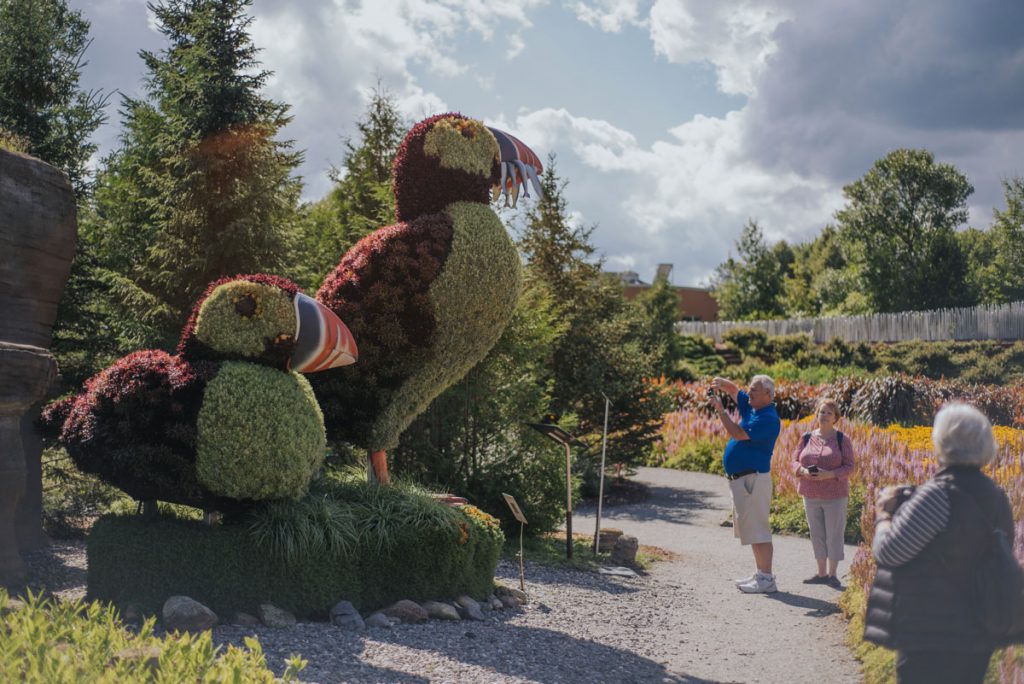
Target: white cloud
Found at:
x=736, y=38
x=684, y=198
x=608, y=15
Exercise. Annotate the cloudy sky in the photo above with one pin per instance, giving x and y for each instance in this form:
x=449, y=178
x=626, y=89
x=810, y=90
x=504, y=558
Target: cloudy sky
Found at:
x=674, y=121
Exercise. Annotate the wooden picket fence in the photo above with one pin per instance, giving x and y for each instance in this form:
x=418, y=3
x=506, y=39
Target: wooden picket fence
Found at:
x=997, y=322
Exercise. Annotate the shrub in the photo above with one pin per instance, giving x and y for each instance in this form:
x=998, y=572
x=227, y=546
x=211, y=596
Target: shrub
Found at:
x=750, y=341
x=362, y=542
x=792, y=348
x=893, y=399
x=57, y=642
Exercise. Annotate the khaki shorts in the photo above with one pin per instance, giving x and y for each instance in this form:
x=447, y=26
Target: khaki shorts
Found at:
x=751, y=503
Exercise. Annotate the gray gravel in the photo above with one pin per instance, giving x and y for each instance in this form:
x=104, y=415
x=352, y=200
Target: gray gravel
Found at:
x=683, y=622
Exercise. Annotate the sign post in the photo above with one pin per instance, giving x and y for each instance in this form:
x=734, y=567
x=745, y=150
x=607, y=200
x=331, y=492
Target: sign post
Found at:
x=557, y=434
x=518, y=513
x=600, y=489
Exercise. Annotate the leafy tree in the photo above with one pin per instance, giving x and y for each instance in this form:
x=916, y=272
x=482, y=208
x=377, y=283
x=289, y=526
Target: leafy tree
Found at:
x=42, y=43
x=751, y=286
x=201, y=187
x=997, y=255
x=900, y=223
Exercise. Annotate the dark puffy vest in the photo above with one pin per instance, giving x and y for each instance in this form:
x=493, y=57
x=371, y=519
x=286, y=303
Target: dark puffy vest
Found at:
x=925, y=603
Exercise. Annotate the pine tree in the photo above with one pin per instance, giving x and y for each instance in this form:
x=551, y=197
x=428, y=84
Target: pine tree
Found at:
x=42, y=44
x=362, y=199
x=606, y=347
x=201, y=187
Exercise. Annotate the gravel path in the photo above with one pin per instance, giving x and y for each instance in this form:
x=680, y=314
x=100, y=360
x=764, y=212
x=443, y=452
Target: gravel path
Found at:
x=683, y=622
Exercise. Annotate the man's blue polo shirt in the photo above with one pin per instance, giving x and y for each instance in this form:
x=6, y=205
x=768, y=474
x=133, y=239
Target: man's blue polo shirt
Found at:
x=763, y=427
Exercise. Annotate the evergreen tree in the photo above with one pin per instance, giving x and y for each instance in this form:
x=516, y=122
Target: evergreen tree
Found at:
x=606, y=348
x=362, y=199
x=42, y=44
x=660, y=303
x=559, y=253
x=201, y=187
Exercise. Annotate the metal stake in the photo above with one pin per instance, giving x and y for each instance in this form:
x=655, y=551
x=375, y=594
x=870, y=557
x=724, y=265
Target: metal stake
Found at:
x=568, y=504
x=600, y=490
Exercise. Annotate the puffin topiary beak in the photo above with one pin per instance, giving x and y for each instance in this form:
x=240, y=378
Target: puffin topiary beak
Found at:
x=322, y=341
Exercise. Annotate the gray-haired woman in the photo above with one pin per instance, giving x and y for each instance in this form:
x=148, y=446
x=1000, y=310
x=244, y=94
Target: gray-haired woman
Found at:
x=926, y=547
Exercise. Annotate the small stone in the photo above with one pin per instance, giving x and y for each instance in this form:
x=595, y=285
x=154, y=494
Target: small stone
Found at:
x=272, y=616
x=379, y=619
x=12, y=605
x=147, y=655
x=132, y=614
x=624, y=552
x=407, y=611
x=245, y=620
x=182, y=614
x=441, y=611
x=469, y=608
x=519, y=595
x=345, y=615
x=508, y=601
x=495, y=602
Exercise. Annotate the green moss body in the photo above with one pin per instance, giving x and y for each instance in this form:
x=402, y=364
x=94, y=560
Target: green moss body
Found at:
x=473, y=298
x=226, y=567
x=260, y=433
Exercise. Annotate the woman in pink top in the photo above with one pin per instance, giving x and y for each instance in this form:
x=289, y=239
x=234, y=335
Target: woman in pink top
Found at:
x=823, y=465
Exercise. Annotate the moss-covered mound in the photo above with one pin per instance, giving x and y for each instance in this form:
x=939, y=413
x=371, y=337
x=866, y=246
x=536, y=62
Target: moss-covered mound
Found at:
x=361, y=542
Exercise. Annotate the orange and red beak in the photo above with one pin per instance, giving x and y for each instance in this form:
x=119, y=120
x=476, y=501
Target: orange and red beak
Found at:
x=322, y=341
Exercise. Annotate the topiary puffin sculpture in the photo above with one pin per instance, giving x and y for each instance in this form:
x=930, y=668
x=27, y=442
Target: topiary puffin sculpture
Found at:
x=429, y=296
x=228, y=420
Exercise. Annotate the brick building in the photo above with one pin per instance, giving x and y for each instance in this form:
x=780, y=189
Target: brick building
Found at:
x=695, y=303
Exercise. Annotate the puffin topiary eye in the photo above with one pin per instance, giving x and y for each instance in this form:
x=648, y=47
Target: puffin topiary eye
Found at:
x=246, y=306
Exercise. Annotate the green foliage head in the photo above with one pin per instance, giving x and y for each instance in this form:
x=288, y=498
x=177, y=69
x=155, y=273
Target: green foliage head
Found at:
x=245, y=319
x=463, y=144
x=260, y=433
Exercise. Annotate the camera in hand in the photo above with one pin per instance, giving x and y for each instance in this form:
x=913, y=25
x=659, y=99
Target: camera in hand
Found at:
x=812, y=469
x=710, y=392
x=903, y=492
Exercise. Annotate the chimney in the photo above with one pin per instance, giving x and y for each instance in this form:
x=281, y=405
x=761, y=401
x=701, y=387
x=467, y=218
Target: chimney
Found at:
x=664, y=271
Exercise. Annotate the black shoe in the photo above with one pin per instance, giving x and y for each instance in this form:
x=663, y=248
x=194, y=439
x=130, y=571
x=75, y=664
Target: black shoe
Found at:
x=817, y=579
x=833, y=582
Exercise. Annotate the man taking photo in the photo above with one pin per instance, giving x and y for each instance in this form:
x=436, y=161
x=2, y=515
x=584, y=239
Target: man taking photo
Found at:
x=748, y=460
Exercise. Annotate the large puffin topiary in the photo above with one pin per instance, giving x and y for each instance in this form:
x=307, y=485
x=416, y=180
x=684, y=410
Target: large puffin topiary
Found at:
x=429, y=296
x=228, y=420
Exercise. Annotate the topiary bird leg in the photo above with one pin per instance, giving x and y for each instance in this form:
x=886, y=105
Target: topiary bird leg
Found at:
x=378, y=470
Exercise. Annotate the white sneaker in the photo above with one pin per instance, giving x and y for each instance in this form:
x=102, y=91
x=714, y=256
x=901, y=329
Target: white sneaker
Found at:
x=762, y=583
x=744, y=580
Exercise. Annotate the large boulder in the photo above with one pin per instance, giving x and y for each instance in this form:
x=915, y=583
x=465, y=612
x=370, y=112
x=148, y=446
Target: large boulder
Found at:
x=183, y=614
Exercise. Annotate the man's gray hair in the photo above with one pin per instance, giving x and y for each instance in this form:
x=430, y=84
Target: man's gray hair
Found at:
x=765, y=382
x=962, y=435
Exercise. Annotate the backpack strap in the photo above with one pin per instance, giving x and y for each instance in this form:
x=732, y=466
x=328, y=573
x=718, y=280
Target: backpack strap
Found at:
x=839, y=439
x=804, y=440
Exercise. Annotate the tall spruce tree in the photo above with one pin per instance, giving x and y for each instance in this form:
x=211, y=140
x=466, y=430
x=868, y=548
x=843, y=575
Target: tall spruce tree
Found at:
x=362, y=198
x=606, y=348
x=201, y=187
x=42, y=44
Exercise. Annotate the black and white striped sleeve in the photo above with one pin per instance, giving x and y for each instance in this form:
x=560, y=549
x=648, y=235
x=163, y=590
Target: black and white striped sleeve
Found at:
x=915, y=524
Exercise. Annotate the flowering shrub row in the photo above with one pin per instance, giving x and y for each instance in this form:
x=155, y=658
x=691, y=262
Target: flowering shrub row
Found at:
x=886, y=400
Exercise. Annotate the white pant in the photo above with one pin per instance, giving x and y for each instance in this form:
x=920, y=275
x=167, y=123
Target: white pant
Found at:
x=826, y=519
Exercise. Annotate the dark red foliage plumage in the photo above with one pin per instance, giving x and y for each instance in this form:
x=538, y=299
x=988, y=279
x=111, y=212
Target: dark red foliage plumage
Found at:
x=381, y=290
x=423, y=187
x=135, y=426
